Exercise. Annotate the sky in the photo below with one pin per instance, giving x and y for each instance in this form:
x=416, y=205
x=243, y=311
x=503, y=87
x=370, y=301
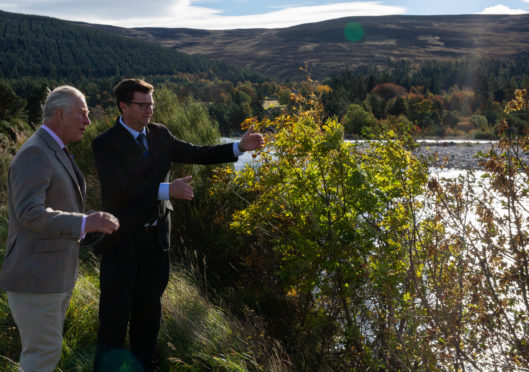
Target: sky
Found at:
x=233, y=14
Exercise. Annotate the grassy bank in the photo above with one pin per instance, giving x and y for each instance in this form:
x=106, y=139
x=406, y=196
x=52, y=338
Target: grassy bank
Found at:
x=195, y=334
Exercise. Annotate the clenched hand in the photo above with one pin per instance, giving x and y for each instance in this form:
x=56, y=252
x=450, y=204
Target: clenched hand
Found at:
x=101, y=222
x=181, y=189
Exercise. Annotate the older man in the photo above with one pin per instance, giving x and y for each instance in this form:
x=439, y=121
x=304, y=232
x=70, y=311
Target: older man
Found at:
x=46, y=197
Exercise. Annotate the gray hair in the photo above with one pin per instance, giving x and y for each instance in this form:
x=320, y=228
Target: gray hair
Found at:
x=61, y=98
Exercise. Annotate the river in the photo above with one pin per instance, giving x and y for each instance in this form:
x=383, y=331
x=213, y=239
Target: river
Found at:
x=451, y=154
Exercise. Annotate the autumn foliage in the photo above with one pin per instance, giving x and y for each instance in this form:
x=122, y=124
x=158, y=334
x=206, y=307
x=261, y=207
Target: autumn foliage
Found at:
x=386, y=266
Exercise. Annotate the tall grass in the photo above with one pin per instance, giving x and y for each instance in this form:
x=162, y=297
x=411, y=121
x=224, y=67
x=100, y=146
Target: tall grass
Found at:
x=195, y=335
x=81, y=323
x=9, y=338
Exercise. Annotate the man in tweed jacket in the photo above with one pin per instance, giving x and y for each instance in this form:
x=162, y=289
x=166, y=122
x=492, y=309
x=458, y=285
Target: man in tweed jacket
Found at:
x=46, y=199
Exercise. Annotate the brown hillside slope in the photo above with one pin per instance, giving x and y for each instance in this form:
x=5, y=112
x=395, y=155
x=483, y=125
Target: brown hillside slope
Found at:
x=324, y=49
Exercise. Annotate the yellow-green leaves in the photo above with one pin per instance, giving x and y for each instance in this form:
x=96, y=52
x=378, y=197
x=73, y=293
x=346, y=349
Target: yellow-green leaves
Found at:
x=337, y=214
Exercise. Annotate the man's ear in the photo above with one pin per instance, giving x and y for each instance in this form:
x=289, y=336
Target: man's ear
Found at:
x=122, y=104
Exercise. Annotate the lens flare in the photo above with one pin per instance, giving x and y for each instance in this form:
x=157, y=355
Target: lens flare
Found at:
x=353, y=31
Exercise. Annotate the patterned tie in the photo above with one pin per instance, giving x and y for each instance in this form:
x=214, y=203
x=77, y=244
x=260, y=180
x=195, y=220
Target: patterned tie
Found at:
x=74, y=166
x=144, y=151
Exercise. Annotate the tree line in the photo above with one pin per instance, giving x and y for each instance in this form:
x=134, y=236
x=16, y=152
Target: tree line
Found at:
x=35, y=46
x=458, y=98
x=469, y=102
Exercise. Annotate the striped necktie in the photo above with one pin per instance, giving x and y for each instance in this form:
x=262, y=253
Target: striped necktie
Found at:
x=144, y=151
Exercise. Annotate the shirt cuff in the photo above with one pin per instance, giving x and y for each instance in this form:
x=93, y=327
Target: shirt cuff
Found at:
x=83, y=224
x=163, y=191
x=236, y=151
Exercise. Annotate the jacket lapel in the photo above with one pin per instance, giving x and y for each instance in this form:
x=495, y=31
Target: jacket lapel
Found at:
x=131, y=150
x=74, y=172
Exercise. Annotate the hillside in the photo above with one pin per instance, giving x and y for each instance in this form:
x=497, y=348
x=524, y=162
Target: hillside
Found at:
x=35, y=46
x=323, y=47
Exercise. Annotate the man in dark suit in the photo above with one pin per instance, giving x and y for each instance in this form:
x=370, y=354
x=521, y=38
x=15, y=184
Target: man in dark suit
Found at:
x=133, y=160
x=46, y=200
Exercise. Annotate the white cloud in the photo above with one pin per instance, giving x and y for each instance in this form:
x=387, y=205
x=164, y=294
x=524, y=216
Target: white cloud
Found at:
x=194, y=17
x=182, y=13
x=95, y=9
x=502, y=9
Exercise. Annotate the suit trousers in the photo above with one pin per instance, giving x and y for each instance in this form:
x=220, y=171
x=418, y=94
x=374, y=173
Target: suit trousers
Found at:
x=40, y=319
x=134, y=275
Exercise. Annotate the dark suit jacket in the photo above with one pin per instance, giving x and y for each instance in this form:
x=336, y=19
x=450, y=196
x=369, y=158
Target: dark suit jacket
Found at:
x=129, y=183
x=46, y=198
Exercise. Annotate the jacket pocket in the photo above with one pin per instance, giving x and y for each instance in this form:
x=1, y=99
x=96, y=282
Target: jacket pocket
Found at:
x=51, y=245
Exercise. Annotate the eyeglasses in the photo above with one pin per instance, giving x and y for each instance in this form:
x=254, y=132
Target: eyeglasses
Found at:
x=144, y=105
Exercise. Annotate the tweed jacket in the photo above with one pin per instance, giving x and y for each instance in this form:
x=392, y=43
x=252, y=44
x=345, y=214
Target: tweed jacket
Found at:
x=46, y=199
